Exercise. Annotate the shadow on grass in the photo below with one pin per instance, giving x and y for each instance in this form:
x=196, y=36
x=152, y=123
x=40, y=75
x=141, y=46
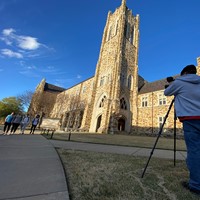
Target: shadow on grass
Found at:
x=122, y=140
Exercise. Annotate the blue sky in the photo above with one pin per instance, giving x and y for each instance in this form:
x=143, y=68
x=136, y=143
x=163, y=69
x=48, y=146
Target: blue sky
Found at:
x=60, y=40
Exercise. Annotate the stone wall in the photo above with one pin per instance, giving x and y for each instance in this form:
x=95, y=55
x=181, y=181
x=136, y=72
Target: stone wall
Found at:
x=74, y=98
x=157, y=107
x=42, y=101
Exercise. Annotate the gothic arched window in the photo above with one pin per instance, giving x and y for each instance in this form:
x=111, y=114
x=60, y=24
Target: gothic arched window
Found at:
x=123, y=104
x=116, y=27
x=102, y=102
x=131, y=35
x=127, y=30
x=129, y=81
x=110, y=32
x=102, y=80
x=122, y=79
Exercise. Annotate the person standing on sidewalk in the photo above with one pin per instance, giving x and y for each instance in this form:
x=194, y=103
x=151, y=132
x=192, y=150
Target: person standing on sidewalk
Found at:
x=186, y=90
x=35, y=122
x=7, y=123
x=15, y=123
x=25, y=121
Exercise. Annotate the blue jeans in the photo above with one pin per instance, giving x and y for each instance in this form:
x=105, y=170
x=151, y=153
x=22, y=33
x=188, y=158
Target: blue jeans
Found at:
x=192, y=139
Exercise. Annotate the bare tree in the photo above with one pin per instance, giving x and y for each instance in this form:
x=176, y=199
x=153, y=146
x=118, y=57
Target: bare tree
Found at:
x=61, y=104
x=42, y=103
x=25, y=98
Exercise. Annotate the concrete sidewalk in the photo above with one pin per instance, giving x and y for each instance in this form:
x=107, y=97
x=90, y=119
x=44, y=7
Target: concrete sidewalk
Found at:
x=30, y=169
x=135, y=151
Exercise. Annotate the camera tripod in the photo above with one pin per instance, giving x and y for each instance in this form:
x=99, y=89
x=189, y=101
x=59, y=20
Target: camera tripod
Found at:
x=159, y=134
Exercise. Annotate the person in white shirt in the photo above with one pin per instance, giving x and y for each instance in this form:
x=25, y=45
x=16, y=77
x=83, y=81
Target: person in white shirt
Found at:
x=35, y=122
x=24, y=123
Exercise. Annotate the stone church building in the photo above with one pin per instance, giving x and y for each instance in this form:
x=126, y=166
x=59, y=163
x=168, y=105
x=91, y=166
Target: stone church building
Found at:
x=116, y=99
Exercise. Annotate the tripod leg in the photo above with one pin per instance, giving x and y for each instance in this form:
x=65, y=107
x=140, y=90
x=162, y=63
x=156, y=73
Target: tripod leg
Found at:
x=160, y=131
x=152, y=152
x=174, y=138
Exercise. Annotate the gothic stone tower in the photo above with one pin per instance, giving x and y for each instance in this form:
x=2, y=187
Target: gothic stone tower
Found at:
x=115, y=91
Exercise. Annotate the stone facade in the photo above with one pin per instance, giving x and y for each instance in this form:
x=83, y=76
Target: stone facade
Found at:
x=116, y=99
x=44, y=99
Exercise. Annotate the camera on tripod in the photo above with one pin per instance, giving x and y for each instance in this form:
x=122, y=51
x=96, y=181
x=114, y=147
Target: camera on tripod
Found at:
x=169, y=80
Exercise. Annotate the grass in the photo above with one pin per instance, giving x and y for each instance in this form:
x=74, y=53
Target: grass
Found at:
x=124, y=140
x=100, y=176
x=104, y=176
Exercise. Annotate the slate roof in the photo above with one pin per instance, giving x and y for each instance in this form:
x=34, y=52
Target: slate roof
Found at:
x=53, y=88
x=154, y=86
x=141, y=82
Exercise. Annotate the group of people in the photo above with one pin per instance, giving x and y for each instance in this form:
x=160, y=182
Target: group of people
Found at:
x=13, y=121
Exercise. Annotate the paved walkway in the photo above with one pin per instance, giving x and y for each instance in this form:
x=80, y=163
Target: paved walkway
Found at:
x=135, y=151
x=30, y=168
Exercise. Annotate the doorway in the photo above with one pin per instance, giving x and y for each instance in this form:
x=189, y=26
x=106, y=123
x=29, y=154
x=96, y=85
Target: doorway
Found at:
x=98, y=123
x=121, y=124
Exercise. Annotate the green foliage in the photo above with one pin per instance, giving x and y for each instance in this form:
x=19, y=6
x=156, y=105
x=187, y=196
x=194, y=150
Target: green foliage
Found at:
x=9, y=105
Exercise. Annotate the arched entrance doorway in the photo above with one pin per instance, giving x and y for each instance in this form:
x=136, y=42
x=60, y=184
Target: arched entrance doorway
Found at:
x=98, y=123
x=121, y=124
